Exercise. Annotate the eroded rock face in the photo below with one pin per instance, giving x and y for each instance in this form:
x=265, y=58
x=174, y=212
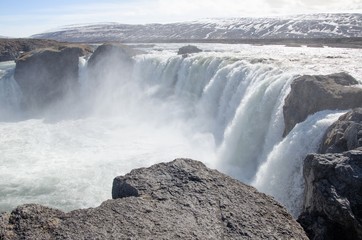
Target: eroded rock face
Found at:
x=178, y=200
x=46, y=75
x=333, y=196
x=310, y=94
x=345, y=134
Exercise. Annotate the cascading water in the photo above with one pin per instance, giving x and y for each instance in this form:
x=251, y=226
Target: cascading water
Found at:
x=224, y=109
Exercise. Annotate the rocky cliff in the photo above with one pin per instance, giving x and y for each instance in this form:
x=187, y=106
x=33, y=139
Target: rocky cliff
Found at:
x=333, y=196
x=182, y=199
x=312, y=93
x=345, y=134
x=111, y=61
x=46, y=75
x=333, y=183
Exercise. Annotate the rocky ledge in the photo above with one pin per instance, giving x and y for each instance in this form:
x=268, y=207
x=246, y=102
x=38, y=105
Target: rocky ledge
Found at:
x=333, y=183
x=345, y=134
x=182, y=199
x=333, y=196
x=312, y=93
x=45, y=75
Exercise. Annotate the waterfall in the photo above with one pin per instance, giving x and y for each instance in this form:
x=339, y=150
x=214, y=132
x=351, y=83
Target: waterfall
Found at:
x=223, y=110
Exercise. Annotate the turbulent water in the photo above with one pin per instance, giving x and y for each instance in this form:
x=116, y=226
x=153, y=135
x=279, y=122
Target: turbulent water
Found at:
x=222, y=106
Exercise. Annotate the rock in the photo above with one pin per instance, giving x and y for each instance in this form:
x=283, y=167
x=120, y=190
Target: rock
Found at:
x=310, y=94
x=185, y=50
x=12, y=48
x=111, y=61
x=178, y=200
x=46, y=75
x=333, y=196
x=345, y=134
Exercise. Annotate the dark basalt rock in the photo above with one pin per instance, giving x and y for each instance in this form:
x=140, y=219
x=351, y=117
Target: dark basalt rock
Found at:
x=310, y=94
x=185, y=50
x=178, y=200
x=46, y=75
x=333, y=196
x=345, y=134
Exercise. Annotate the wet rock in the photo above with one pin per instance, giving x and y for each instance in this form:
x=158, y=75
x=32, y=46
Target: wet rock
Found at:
x=345, y=134
x=333, y=196
x=312, y=93
x=182, y=199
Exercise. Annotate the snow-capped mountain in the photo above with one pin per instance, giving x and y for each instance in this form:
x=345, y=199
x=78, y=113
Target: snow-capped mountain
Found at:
x=299, y=26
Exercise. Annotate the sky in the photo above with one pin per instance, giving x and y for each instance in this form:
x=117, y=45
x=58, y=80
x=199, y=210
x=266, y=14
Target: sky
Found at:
x=22, y=18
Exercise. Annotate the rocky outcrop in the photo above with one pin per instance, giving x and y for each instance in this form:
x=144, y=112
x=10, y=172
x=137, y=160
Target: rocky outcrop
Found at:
x=185, y=50
x=345, y=134
x=45, y=75
x=310, y=94
x=333, y=196
x=111, y=61
x=11, y=49
x=178, y=200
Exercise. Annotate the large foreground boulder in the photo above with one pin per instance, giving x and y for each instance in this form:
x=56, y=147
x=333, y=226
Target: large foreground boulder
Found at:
x=313, y=93
x=345, y=134
x=178, y=200
x=333, y=196
x=46, y=75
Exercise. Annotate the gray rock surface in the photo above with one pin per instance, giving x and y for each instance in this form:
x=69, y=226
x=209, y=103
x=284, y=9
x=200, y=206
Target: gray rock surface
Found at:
x=178, y=200
x=312, y=93
x=111, y=61
x=46, y=75
x=333, y=196
x=188, y=50
x=345, y=134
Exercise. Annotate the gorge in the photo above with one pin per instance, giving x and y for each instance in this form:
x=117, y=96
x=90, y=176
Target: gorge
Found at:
x=134, y=107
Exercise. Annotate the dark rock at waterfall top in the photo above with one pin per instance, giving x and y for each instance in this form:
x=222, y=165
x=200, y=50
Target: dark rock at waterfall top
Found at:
x=178, y=200
x=345, y=134
x=111, y=61
x=185, y=50
x=333, y=196
x=46, y=75
x=112, y=52
x=312, y=93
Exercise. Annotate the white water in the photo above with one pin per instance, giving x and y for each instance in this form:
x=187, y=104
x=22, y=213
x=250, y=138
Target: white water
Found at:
x=223, y=107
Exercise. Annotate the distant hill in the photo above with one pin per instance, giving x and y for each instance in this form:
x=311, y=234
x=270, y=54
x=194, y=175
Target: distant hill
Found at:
x=343, y=25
